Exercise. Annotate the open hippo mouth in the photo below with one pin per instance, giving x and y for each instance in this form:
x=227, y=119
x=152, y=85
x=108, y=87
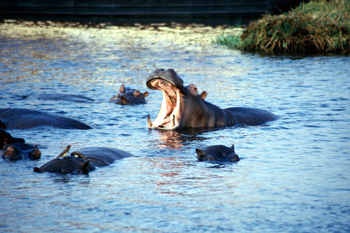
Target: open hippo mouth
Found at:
x=169, y=116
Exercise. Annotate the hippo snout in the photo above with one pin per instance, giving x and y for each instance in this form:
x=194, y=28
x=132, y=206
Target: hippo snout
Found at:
x=168, y=75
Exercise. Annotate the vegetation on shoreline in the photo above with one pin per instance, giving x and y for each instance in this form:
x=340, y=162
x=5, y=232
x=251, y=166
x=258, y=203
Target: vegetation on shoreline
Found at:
x=316, y=27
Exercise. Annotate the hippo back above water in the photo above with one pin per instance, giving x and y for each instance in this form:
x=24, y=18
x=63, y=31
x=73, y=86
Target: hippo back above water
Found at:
x=60, y=97
x=183, y=107
x=19, y=118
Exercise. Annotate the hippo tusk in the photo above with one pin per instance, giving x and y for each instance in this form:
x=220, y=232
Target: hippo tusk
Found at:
x=149, y=121
x=173, y=120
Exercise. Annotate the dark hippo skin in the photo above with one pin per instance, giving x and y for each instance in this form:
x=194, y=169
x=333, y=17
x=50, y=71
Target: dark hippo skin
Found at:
x=60, y=97
x=217, y=153
x=183, y=107
x=84, y=160
x=17, y=151
x=6, y=138
x=127, y=96
x=19, y=118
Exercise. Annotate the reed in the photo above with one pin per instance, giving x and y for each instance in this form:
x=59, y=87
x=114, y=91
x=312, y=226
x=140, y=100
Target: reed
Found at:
x=315, y=27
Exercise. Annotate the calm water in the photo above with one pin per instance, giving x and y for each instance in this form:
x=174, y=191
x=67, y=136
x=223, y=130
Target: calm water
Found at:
x=293, y=175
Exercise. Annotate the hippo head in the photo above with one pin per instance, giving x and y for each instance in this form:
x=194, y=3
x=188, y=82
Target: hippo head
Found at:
x=182, y=107
x=6, y=138
x=128, y=96
x=72, y=165
x=19, y=151
x=217, y=153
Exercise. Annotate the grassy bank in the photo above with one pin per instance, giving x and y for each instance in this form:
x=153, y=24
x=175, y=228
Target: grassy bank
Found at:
x=315, y=27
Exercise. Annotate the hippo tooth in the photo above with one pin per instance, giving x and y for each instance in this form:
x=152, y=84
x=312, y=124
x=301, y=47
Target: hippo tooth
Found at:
x=149, y=121
x=173, y=120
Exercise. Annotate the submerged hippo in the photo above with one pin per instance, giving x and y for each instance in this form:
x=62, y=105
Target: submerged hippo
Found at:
x=217, y=153
x=6, y=138
x=19, y=118
x=127, y=96
x=84, y=160
x=183, y=107
x=60, y=97
x=17, y=151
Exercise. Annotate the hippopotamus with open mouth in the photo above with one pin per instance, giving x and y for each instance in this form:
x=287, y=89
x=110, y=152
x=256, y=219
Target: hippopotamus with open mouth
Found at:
x=183, y=107
x=83, y=161
x=128, y=96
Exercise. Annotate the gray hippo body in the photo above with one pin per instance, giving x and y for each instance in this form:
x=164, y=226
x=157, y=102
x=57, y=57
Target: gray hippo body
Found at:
x=18, y=118
x=217, y=153
x=17, y=151
x=183, y=107
x=84, y=160
x=128, y=96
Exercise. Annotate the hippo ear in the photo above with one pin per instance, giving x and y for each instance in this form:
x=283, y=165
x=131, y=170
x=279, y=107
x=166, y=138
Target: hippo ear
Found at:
x=123, y=99
x=36, y=169
x=122, y=89
x=204, y=95
x=199, y=153
x=192, y=89
x=145, y=94
x=233, y=147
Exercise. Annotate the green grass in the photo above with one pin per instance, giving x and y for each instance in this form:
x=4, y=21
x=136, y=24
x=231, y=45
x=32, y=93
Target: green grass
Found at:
x=316, y=27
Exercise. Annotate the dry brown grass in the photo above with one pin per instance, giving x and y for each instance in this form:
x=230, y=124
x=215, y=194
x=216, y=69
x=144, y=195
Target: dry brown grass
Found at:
x=317, y=27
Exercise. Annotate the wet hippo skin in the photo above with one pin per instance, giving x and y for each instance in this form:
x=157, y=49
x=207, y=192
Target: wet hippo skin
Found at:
x=183, y=107
x=19, y=118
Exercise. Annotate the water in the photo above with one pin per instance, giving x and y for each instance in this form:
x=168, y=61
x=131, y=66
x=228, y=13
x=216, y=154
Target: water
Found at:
x=293, y=175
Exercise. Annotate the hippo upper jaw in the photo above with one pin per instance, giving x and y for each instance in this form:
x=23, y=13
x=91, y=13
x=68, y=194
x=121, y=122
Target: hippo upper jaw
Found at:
x=169, y=116
x=168, y=75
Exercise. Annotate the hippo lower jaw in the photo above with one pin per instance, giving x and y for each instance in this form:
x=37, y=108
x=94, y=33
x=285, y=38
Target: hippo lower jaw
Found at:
x=170, y=112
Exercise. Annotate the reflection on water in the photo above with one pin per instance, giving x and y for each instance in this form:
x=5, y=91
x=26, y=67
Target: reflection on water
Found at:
x=293, y=174
x=179, y=138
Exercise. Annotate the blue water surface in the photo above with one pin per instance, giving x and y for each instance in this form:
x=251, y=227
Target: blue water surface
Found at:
x=293, y=175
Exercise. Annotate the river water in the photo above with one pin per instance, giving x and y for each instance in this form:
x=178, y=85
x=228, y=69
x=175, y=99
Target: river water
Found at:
x=293, y=175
